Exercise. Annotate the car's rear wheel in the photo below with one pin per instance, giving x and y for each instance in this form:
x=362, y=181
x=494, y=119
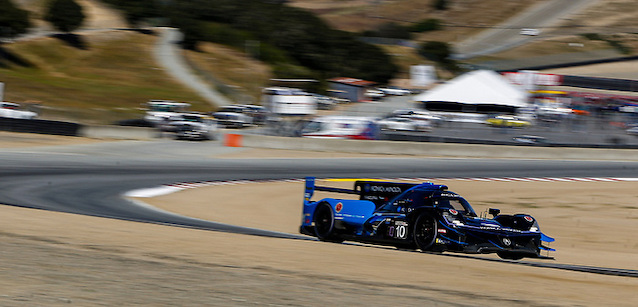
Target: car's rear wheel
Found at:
x=409, y=246
x=325, y=223
x=425, y=230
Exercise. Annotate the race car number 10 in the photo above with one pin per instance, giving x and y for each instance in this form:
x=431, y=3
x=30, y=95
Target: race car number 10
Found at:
x=399, y=230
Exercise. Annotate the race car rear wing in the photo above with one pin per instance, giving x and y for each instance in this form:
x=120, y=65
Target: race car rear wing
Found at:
x=378, y=192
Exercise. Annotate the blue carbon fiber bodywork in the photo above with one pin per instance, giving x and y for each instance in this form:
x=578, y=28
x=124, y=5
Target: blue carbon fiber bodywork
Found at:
x=388, y=213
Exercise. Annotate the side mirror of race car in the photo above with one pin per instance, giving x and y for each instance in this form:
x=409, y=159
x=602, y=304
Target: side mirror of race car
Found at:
x=494, y=212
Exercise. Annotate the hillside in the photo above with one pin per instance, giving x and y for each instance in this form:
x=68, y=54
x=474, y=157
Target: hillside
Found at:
x=461, y=19
x=614, y=20
x=104, y=82
x=109, y=79
x=114, y=74
x=465, y=17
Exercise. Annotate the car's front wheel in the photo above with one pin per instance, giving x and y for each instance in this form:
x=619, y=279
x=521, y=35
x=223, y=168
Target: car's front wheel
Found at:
x=511, y=255
x=425, y=230
x=325, y=223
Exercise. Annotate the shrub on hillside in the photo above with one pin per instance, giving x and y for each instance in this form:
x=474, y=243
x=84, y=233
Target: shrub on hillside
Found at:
x=64, y=15
x=13, y=20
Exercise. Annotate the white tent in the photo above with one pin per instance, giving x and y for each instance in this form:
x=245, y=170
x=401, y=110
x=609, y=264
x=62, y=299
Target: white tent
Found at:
x=480, y=87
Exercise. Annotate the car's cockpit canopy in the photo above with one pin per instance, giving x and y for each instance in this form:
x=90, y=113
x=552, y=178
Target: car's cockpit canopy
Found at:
x=427, y=197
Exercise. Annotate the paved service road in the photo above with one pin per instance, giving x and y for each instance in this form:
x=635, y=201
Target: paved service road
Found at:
x=90, y=179
x=507, y=35
x=167, y=52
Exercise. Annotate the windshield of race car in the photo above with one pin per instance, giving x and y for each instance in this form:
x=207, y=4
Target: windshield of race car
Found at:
x=416, y=198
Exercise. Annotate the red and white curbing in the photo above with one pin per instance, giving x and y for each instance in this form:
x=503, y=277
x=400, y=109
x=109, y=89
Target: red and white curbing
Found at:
x=175, y=187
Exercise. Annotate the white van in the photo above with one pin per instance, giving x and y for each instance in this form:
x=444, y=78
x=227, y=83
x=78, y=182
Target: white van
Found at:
x=288, y=101
x=341, y=127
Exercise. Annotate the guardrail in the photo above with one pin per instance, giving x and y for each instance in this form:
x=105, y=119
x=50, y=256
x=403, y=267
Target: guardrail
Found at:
x=332, y=145
x=432, y=149
x=118, y=132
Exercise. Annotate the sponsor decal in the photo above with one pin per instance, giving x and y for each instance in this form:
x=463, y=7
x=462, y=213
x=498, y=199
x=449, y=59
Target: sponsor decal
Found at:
x=507, y=241
x=442, y=230
x=339, y=207
x=529, y=218
x=454, y=212
x=383, y=189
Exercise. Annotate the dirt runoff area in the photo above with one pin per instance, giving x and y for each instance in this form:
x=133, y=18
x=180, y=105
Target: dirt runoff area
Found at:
x=54, y=259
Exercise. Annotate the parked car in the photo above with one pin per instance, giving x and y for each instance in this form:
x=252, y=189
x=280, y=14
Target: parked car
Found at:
x=403, y=124
x=232, y=120
x=257, y=113
x=374, y=94
x=195, y=127
x=420, y=115
x=191, y=126
x=236, y=108
x=530, y=32
x=12, y=110
x=159, y=111
x=341, y=127
x=530, y=139
x=325, y=102
x=508, y=121
x=395, y=91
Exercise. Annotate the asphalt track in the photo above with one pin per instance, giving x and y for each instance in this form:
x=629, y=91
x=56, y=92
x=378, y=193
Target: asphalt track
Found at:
x=90, y=180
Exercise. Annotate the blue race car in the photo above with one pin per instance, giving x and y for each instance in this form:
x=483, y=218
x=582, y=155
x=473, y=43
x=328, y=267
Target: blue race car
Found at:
x=418, y=216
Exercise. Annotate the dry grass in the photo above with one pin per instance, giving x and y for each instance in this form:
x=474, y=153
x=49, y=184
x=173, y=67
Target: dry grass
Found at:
x=610, y=16
x=108, y=81
x=234, y=68
x=555, y=45
x=359, y=15
x=614, y=18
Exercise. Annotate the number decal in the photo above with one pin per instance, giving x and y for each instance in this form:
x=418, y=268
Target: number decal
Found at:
x=402, y=232
x=399, y=230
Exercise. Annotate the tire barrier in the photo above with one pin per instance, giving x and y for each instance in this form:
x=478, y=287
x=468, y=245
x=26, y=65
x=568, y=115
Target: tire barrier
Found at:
x=39, y=126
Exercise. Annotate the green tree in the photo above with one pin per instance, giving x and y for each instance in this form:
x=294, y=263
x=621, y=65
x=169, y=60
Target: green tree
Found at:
x=441, y=53
x=13, y=20
x=430, y=24
x=294, y=41
x=65, y=15
x=440, y=5
x=138, y=11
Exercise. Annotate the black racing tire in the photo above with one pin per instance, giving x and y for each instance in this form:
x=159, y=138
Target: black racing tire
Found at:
x=408, y=246
x=325, y=223
x=425, y=230
x=511, y=255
